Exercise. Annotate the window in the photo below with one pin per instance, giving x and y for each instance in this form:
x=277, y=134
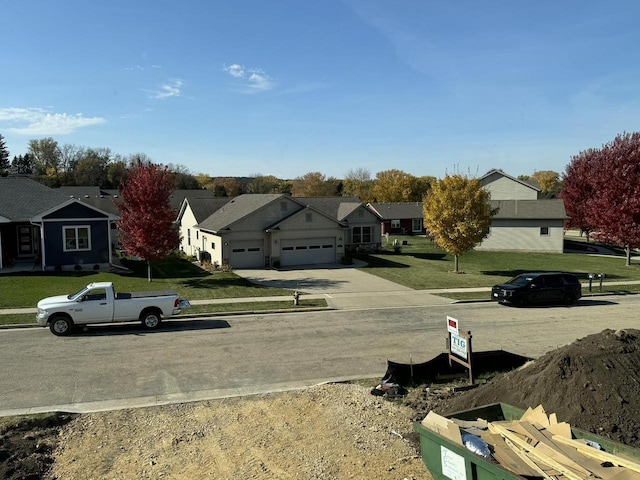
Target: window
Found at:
x=544, y=231
x=188, y=236
x=76, y=238
x=361, y=235
x=416, y=224
x=395, y=223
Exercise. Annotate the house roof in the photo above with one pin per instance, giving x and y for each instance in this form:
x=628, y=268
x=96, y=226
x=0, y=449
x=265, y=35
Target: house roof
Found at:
x=103, y=199
x=204, y=207
x=398, y=210
x=338, y=208
x=22, y=198
x=304, y=210
x=236, y=209
x=552, y=209
x=528, y=183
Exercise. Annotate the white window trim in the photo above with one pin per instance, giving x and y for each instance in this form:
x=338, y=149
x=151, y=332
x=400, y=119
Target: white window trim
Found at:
x=77, y=248
x=395, y=223
x=545, y=234
x=413, y=222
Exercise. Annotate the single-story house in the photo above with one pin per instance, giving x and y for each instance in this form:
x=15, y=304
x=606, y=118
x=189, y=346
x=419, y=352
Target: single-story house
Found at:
x=400, y=218
x=50, y=229
x=523, y=221
x=526, y=225
x=265, y=230
x=106, y=199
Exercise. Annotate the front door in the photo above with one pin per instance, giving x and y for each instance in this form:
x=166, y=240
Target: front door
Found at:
x=27, y=241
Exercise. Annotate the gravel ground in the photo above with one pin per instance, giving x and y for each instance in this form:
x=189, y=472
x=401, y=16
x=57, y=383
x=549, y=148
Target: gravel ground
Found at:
x=324, y=432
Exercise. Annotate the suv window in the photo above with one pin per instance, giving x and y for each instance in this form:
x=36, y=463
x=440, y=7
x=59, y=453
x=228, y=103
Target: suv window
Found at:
x=553, y=281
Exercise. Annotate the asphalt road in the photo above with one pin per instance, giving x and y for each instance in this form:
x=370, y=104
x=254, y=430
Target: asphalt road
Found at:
x=121, y=365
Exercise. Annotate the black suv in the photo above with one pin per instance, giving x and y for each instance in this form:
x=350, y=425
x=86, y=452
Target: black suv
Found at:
x=538, y=288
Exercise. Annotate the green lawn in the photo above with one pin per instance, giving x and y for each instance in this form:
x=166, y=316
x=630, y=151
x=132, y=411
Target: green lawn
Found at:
x=422, y=265
x=191, y=282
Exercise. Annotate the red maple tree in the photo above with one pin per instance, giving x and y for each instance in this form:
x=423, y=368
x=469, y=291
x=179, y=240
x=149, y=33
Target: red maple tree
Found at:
x=577, y=190
x=147, y=227
x=610, y=198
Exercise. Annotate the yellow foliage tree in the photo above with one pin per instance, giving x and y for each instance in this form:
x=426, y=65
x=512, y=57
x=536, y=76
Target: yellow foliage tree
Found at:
x=397, y=186
x=457, y=213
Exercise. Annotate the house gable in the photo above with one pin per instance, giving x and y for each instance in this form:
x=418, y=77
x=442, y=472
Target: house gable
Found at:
x=505, y=187
x=73, y=210
x=250, y=212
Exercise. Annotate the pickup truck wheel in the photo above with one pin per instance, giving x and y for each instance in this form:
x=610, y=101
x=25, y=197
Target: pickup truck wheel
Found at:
x=150, y=320
x=60, y=326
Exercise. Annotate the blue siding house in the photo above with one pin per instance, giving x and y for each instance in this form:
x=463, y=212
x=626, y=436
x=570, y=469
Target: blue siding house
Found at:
x=46, y=228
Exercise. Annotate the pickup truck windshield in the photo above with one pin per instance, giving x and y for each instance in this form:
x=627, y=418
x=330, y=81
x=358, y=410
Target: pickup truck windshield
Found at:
x=78, y=294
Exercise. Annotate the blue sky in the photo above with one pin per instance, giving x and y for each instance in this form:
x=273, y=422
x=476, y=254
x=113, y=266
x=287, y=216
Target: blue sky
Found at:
x=283, y=87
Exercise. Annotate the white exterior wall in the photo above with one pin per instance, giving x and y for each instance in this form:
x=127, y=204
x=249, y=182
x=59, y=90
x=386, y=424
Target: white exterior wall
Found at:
x=212, y=244
x=187, y=224
x=523, y=235
x=504, y=188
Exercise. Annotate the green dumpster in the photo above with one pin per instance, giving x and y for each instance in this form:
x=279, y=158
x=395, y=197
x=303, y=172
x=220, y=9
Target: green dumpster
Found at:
x=447, y=460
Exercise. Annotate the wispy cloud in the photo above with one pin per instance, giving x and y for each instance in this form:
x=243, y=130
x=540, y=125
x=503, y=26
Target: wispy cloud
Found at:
x=249, y=80
x=168, y=90
x=39, y=121
x=141, y=68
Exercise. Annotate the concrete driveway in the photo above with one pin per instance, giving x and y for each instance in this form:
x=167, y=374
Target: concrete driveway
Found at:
x=343, y=286
x=328, y=278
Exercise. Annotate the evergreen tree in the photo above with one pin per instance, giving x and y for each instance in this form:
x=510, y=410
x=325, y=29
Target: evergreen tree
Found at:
x=4, y=157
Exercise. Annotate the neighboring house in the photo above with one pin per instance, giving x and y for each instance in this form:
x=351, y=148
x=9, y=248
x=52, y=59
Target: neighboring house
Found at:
x=106, y=199
x=262, y=230
x=192, y=212
x=400, y=218
x=505, y=187
x=523, y=222
x=49, y=228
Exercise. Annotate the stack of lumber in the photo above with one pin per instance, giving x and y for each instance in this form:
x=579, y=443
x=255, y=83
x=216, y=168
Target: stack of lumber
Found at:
x=538, y=446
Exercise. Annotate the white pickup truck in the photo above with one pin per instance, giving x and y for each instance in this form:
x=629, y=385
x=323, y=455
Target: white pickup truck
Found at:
x=99, y=303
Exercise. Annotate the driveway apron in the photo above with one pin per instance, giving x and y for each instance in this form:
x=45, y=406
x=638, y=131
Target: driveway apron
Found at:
x=342, y=286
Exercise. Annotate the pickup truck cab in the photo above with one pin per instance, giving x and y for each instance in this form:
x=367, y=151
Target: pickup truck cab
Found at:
x=99, y=303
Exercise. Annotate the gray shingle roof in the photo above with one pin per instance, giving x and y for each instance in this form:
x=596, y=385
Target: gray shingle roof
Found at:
x=22, y=198
x=398, y=210
x=335, y=207
x=528, y=183
x=552, y=209
x=237, y=208
x=204, y=207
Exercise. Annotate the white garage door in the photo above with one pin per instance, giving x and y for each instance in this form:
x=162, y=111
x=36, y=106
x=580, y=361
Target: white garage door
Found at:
x=246, y=254
x=307, y=251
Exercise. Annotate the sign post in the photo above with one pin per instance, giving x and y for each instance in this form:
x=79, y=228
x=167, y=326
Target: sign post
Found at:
x=459, y=346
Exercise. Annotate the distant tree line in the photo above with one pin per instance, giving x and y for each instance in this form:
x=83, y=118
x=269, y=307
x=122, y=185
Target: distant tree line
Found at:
x=58, y=165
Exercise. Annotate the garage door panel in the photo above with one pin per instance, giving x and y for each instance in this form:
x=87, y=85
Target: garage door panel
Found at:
x=307, y=251
x=246, y=255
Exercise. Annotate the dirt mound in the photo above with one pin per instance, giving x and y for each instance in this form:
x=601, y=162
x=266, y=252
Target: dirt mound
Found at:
x=593, y=384
x=26, y=446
